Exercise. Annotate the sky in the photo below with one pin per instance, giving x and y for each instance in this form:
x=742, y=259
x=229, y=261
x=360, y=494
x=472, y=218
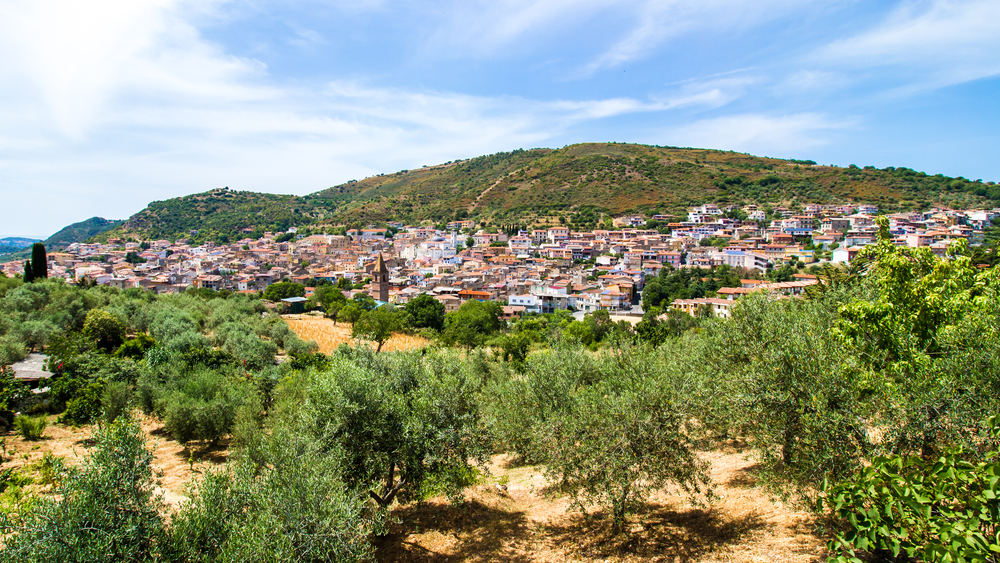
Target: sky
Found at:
x=108, y=105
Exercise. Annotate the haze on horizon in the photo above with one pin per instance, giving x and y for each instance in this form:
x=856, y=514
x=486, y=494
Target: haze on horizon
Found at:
x=108, y=105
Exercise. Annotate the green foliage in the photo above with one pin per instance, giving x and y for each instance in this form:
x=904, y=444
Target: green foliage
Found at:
x=426, y=312
x=105, y=329
x=687, y=283
x=12, y=390
x=30, y=428
x=377, y=325
x=201, y=405
x=284, y=290
x=105, y=511
x=116, y=400
x=608, y=431
x=401, y=424
x=137, y=347
x=84, y=405
x=940, y=509
x=790, y=388
x=287, y=503
x=473, y=323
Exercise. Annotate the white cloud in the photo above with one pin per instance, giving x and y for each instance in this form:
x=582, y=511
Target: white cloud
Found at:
x=134, y=105
x=935, y=43
x=760, y=134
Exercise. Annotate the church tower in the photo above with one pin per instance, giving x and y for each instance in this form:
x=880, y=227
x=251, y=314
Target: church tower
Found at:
x=380, y=280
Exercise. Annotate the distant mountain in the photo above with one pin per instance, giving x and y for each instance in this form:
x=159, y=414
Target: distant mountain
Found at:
x=77, y=232
x=578, y=185
x=13, y=244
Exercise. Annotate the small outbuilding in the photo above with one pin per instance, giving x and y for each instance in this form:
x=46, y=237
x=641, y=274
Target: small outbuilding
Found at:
x=294, y=305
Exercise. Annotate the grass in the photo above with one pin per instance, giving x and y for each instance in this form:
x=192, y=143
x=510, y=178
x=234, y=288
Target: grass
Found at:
x=330, y=335
x=31, y=429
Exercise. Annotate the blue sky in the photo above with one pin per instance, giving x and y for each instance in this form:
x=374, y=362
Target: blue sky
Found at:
x=107, y=105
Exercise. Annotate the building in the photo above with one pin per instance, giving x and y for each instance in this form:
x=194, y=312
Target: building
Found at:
x=380, y=280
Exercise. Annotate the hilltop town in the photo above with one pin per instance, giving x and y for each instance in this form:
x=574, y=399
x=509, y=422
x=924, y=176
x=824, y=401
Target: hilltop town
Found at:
x=540, y=270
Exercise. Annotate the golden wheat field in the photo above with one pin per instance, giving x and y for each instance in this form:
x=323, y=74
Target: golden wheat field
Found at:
x=329, y=335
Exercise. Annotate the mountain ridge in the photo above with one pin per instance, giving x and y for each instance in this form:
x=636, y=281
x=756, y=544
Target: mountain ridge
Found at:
x=75, y=232
x=581, y=185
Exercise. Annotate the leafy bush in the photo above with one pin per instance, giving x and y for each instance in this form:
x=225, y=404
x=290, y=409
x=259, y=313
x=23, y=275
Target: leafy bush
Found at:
x=943, y=509
x=12, y=390
x=29, y=428
x=85, y=406
x=107, y=330
x=116, y=400
x=106, y=511
x=201, y=406
x=287, y=505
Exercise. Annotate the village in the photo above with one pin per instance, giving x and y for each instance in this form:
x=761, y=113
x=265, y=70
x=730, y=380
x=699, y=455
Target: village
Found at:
x=532, y=271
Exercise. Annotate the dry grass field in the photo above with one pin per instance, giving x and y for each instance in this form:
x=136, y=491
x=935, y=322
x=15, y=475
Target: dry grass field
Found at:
x=329, y=335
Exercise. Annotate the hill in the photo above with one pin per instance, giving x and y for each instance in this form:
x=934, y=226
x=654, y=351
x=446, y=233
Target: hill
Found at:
x=77, y=232
x=13, y=244
x=220, y=215
x=581, y=185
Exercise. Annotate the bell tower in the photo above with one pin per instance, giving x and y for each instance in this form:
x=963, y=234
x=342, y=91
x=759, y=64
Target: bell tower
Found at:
x=380, y=280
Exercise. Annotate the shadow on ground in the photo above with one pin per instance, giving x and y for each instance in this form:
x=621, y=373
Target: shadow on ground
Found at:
x=659, y=532
x=472, y=531
x=477, y=532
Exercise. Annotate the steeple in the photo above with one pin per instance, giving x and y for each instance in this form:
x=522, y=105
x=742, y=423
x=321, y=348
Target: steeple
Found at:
x=380, y=280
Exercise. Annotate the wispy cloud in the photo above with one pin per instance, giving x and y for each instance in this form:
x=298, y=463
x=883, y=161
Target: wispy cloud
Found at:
x=761, y=134
x=932, y=43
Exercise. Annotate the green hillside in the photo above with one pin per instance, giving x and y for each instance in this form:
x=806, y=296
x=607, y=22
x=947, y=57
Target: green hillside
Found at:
x=219, y=215
x=579, y=184
x=77, y=232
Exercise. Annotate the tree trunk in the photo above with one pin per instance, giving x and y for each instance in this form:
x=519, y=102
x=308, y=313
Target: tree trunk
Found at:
x=618, y=506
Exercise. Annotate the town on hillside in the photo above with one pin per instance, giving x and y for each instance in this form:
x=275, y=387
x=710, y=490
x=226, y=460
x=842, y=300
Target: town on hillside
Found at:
x=533, y=271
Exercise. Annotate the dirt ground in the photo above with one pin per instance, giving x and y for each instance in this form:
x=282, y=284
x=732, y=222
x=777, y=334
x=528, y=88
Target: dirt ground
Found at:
x=329, y=334
x=521, y=524
x=173, y=463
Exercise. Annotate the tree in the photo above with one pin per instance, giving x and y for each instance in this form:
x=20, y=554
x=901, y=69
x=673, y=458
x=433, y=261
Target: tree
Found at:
x=29, y=273
x=608, y=430
x=377, y=325
x=284, y=290
x=104, y=328
x=39, y=262
x=426, y=311
x=917, y=339
x=406, y=427
x=473, y=323
x=106, y=511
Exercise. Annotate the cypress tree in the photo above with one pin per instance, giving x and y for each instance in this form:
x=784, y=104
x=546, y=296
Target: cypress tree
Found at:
x=39, y=262
x=28, y=273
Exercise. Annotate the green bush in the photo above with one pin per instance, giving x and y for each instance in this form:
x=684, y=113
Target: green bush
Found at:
x=202, y=406
x=287, y=505
x=85, y=406
x=105, y=511
x=29, y=428
x=943, y=509
x=116, y=400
